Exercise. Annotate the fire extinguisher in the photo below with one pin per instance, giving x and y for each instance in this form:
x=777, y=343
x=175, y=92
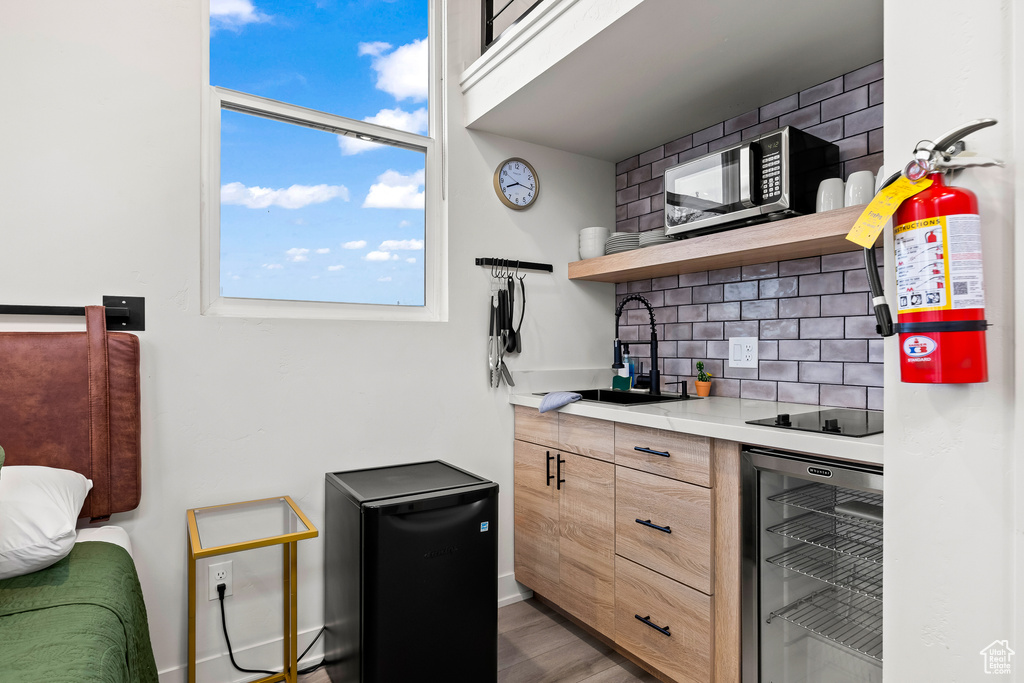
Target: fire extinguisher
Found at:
x=940, y=289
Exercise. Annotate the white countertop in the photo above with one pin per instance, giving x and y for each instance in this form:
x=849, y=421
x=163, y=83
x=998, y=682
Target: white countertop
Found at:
x=725, y=418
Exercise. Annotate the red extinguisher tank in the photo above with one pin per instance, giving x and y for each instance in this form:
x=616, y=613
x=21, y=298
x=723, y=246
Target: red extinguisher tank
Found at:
x=940, y=290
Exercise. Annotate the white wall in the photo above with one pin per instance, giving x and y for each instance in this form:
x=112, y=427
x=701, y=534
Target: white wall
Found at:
x=99, y=194
x=951, y=580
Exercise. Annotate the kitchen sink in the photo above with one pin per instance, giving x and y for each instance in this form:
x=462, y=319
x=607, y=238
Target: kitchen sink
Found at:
x=628, y=397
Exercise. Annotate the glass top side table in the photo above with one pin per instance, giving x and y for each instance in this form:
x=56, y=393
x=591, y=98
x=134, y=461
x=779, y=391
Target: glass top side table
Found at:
x=232, y=528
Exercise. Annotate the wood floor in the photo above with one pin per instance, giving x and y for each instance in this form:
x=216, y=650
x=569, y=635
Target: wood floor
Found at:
x=537, y=645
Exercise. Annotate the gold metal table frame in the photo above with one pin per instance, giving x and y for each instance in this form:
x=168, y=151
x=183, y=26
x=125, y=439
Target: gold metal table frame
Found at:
x=288, y=539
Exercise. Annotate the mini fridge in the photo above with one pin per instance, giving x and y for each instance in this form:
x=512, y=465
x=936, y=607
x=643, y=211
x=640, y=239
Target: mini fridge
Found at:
x=411, y=575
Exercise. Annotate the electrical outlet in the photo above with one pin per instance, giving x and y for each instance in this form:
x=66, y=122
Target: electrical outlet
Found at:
x=220, y=573
x=742, y=352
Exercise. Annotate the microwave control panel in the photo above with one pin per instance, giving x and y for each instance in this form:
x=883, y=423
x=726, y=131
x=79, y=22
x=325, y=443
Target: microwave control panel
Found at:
x=771, y=168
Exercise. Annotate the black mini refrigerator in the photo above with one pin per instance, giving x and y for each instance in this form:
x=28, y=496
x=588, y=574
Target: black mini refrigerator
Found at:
x=411, y=574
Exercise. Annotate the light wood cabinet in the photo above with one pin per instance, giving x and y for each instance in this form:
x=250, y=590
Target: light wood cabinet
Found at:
x=565, y=526
x=665, y=524
x=536, y=519
x=665, y=622
x=641, y=532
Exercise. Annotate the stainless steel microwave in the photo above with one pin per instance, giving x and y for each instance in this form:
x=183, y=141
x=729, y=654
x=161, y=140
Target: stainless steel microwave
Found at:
x=772, y=176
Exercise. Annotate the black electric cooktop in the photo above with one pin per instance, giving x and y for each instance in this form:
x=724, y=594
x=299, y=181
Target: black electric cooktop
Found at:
x=839, y=421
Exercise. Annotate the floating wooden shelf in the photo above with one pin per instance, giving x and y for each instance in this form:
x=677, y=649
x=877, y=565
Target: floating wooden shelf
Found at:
x=800, y=237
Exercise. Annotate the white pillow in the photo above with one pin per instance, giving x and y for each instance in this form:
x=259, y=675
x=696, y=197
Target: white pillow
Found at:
x=39, y=507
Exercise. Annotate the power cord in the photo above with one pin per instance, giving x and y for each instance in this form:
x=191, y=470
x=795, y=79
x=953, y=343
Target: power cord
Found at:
x=221, y=590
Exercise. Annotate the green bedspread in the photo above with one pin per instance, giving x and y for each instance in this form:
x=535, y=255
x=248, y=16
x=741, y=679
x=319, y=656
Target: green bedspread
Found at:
x=81, y=620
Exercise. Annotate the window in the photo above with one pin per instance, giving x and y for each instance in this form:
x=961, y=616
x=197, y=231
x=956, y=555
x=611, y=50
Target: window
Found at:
x=323, y=173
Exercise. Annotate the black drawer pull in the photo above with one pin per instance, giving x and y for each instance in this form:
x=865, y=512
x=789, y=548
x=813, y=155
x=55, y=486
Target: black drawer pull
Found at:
x=558, y=472
x=647, y=522
x=664, y=454
x=547, y=468
x=647, y=620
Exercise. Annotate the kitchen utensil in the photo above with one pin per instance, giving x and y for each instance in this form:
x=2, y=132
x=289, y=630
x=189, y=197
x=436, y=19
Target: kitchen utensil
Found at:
x=522, y=313
x=510, y=335
x=831, y=193
x=860, y=188
x=492, y=342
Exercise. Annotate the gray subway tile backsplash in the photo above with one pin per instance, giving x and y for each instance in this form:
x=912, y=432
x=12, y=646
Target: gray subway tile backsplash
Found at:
x=812, y=316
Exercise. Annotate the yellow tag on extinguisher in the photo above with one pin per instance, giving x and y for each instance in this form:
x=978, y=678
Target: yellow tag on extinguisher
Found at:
x=877, y=213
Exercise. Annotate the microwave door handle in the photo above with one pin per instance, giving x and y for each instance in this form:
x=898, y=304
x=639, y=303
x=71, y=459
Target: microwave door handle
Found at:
x=749, y=169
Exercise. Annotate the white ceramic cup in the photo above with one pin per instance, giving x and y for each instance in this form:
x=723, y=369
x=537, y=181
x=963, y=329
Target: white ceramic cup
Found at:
x=830, y=194
x=860, y=188
x=879, y=178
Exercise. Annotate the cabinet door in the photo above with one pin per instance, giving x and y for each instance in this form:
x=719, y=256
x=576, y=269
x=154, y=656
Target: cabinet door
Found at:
x=587, y=550
x=536, y=519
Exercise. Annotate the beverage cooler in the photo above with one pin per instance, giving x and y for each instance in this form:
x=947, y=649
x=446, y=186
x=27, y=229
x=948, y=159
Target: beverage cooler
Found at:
x=812, y=569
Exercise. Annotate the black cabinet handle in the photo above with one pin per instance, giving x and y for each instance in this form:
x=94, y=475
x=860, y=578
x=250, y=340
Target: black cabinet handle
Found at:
x=664, y=454
x=558, y=484
x=547, y=469
x=647, y=522
x=647, y=620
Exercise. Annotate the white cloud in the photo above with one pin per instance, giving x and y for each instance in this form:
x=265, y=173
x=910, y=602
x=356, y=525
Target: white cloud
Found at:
x=401, y=73
x=411, y=122
x=337, y=267
x=398, y=245
x=411, y=260
x=404, y=224
x=273, y=266
x=384, y=279
x=376, y=48
x=234, y=14
x=381, y=256
x=357, y=244
x=325, y=250
x=296, y=254
x=396, y=191
x=294, y=197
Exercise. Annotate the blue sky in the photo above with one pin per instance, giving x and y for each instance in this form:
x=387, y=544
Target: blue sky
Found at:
x=305, y=214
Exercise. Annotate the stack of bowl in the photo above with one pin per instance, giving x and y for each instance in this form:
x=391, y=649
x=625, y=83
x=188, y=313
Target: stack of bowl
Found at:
x=592, y=242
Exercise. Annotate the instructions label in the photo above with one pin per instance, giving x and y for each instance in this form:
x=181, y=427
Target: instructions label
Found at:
x=877, y=213
x=938, y=264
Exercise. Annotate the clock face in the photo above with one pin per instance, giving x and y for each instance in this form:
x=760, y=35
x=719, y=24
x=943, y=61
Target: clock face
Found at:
x=516, y=183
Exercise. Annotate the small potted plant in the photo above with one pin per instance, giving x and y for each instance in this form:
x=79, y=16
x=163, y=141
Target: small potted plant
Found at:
x=703, y=381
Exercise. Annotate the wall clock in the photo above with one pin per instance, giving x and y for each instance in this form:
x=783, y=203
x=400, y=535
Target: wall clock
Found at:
x=516, y=183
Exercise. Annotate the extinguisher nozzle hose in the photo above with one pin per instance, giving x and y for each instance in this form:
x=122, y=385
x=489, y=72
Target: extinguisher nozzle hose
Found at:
x=883, y=317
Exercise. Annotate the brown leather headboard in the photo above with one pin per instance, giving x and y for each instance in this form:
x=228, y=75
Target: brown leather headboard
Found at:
x=71, y=400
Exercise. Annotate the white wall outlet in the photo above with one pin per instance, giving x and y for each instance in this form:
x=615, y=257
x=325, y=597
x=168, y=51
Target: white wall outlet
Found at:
x=742, y=352
x=220, y=573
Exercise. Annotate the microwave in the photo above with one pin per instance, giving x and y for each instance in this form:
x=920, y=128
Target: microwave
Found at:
x=771, y=176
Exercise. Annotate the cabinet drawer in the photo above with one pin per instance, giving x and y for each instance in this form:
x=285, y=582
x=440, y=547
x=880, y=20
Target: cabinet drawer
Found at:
x=669, y=454
x=587, y=436
x=685, y=652
x=536, y=427
x=681, y=548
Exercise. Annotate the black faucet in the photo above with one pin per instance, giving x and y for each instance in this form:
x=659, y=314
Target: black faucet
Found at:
x=617, y=362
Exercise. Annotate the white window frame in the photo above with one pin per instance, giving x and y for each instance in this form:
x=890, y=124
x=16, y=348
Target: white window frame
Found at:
x=435, y=308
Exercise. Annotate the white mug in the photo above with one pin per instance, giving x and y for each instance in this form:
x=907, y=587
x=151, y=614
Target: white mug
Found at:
x=880, y=178
x=830, y=194
x=860, y=188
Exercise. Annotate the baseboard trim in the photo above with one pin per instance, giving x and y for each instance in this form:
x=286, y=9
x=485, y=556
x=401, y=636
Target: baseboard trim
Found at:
x=213, y=668
x=218, y=667
x=511, y=591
